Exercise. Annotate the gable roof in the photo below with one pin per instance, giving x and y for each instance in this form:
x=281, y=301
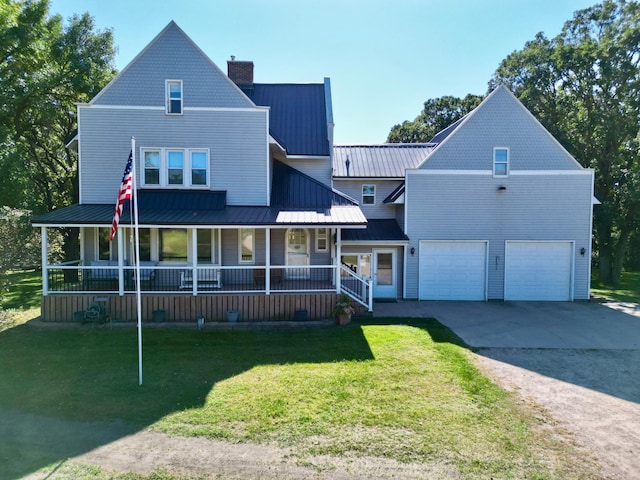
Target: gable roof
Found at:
x=388, y=160
x=500, y=120
x=298, y=115
x=172, y=55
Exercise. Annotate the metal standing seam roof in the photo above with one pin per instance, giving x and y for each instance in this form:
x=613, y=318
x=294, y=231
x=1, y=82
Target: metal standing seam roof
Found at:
x=389, y=160
x=385, y=230
x=296, y=199
x=298, y=115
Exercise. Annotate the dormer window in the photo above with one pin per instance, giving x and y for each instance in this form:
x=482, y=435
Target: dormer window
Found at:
x=500, y=161
x=174, y=97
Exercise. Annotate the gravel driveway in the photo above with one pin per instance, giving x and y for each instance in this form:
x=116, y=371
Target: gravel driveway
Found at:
x=579, y=362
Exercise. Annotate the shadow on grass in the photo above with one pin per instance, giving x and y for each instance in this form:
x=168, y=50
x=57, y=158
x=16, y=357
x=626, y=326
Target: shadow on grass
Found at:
x=64, y=392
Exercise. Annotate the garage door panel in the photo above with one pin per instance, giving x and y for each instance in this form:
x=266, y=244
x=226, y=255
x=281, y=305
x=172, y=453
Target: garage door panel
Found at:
x=452, y=270
x=538, y=271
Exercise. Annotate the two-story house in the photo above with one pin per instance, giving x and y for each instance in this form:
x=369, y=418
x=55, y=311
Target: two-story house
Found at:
x=233, y=179
x=493, y=207
x=245, y=203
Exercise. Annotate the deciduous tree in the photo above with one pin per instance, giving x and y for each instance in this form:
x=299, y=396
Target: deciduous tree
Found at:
x=584, y=86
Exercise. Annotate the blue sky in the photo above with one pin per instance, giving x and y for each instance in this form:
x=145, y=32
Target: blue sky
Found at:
x=384, y=58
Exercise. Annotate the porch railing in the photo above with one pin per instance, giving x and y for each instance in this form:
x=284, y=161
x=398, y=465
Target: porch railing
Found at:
x=203, y=279
x=358, y=288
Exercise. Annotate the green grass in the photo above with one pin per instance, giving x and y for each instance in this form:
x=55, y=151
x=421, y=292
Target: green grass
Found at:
x=400, y=389
x=627, y=291
x=25, y=290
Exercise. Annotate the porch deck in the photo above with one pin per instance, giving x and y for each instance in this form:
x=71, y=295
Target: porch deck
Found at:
x=187, y=308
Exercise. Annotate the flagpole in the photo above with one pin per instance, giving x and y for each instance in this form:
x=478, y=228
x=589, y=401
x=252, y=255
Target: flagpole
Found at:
x=137, y=256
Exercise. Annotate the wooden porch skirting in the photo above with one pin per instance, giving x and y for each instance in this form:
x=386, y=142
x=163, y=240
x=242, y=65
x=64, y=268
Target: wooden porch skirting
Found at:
x=187, y=308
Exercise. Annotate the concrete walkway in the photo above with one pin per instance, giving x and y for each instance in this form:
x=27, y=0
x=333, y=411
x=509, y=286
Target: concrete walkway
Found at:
x=577, y=325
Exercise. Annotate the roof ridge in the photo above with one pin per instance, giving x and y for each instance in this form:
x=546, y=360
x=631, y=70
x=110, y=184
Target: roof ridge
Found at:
x=388, y=145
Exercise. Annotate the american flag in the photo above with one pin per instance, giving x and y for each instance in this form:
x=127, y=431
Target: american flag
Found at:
x=123, y=194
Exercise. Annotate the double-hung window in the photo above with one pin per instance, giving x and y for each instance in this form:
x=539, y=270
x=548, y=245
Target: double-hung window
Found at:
x=175, y=167
x=368, y=194
x=174, y=97
x=175, y=164
x=500, y=161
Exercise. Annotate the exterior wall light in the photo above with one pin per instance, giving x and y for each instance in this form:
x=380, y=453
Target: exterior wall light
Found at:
x=413, y=250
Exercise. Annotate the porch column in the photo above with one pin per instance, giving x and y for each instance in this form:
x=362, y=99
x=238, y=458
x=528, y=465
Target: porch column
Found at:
x=338, y=255
x=120, y=238
x=267, y=261
x=194, y=256
x=45, y=261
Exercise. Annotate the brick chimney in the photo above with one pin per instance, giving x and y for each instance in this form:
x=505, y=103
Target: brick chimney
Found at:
x=240, y=73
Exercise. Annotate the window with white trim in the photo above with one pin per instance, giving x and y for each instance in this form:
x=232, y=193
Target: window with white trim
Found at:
x=246, y=245
x=322, y=236
x=500, y=161
x=207, y=246
x=368, y=194
x=174, y=97
x=175, y=167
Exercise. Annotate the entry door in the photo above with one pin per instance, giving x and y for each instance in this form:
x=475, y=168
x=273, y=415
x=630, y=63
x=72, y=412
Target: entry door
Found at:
x=384, y=274
x=297, y=252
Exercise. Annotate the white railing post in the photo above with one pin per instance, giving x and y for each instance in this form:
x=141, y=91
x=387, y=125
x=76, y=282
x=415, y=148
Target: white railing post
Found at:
x=338, y=256
x=194, y=254
x=370, y=299
x=45, y=261
x=267, y=262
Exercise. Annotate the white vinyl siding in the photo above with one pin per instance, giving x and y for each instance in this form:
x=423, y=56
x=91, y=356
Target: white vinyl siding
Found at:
x=353, y=188
x=539, y=207
x=236, y=142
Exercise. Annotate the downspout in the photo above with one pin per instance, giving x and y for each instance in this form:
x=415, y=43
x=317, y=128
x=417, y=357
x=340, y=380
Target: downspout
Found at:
x=330, y=125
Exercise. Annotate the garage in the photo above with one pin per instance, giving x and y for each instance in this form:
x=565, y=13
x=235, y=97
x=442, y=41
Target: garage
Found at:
x=538, y=270
x=453, y=270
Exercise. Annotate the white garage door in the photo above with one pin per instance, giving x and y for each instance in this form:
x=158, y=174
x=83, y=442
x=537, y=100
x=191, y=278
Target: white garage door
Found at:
x=538, y=271
x=452, y=270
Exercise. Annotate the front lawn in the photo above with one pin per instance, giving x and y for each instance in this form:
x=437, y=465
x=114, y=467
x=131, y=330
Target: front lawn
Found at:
x=627, y=291
x=403, y=389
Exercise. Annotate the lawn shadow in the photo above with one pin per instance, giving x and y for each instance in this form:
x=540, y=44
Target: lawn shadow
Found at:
x=64, y=392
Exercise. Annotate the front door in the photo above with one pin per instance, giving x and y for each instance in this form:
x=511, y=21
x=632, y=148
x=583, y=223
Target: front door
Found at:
x=384, y=274
x=297, y=253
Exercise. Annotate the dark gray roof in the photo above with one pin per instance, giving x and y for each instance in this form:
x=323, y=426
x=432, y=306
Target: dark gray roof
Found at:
x=377, y=230
x=389, y=160
x=293, y=189
x=298, y=116
x=442, y=134
x=393, y=196
x=297, y=199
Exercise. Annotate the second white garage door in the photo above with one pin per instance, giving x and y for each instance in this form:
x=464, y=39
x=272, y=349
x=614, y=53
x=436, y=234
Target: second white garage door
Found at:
x=538, y=270
x=451, y=270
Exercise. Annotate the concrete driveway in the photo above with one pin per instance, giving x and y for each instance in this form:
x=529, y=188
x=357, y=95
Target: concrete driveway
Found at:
x=578, y=362
x=578, y=325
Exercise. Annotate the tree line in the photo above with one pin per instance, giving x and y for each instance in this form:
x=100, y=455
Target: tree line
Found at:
x=583, y=85
x=47, y=65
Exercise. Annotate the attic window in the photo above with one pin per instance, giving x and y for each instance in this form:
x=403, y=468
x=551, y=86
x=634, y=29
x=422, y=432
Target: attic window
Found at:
x=174, y=97
x=500, y=161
